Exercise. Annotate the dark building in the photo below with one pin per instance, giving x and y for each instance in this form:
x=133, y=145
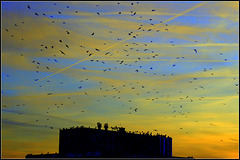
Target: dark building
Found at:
x=113, y=143
x=89, y=142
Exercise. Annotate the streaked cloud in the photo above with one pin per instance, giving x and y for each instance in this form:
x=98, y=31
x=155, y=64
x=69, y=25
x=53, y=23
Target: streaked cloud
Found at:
x=184, y=77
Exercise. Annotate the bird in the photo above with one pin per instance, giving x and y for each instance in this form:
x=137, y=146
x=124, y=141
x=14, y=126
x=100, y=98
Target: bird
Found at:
x=201, y=87
x=62, y=52
x=92, y=33
x=36, y=14
x=67, y=32
x=195, y=50
x=29, y=7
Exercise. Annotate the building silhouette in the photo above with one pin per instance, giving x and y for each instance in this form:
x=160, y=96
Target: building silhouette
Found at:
x=116, y=143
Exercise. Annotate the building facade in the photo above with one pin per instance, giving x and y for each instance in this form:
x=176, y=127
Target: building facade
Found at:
x=104, y=143
x=97, y=143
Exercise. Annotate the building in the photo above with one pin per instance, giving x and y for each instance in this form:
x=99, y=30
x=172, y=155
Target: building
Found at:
x=90, y=142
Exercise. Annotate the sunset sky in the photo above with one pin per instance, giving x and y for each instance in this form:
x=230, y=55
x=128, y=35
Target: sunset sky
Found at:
x=68, y=64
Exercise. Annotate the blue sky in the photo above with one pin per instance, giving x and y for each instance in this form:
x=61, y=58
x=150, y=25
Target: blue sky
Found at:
x=154, y=72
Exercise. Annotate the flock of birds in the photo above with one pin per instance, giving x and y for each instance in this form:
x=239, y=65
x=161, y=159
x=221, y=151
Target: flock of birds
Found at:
x=138, y=88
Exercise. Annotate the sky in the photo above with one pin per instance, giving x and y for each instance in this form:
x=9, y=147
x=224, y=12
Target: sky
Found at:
x=146, y=66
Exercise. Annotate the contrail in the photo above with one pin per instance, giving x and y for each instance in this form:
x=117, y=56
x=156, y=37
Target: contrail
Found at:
x=188, y=10
x=180, y=14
